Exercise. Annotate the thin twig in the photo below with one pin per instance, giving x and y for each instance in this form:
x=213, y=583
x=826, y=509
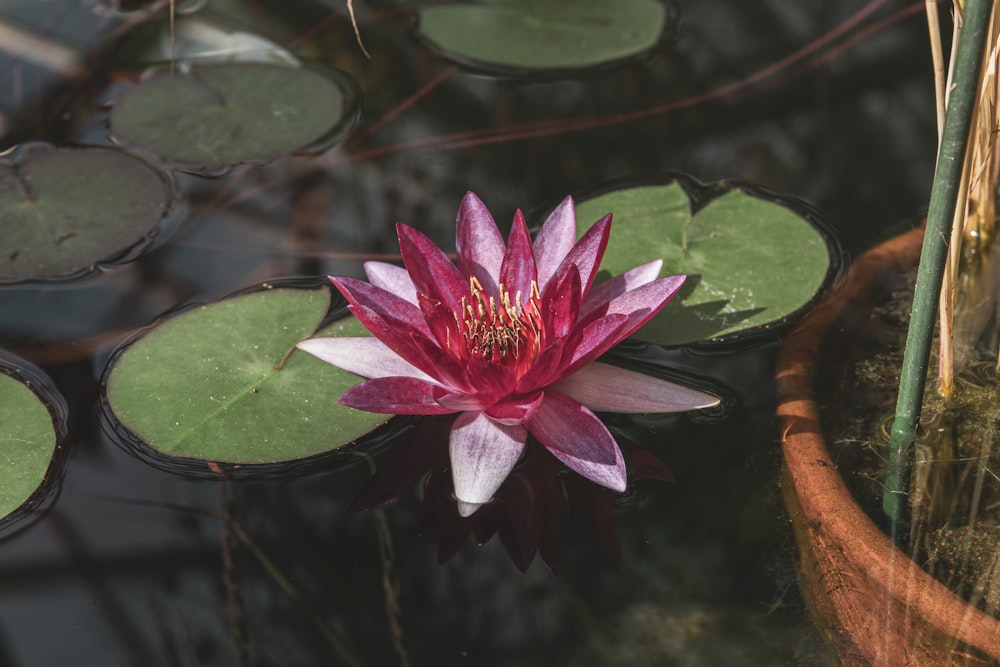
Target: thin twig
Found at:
x=357, y=31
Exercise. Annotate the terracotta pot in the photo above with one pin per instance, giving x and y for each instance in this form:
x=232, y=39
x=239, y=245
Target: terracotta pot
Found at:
x=875, y=605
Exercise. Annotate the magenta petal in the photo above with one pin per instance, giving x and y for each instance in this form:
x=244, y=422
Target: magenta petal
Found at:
x=413, y=346
x=586, y=254
x=546, y=365
x=478, y=242
x=391, y=278
x=441, y=321
x=577, y=437
x=639, y=305
x=554, y=241
x=488, y=380
x=518, y=270
x=385, y=304
x=590, y=342
x=607, y=388
x=459, y=402
x=430, y=269
x=483, y=453
x=615, y=286
x=367, y=357
x=515, y=411
x=561, y=304
x=396, y=396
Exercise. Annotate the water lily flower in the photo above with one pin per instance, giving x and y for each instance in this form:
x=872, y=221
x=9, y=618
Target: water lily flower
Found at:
x=508, y=339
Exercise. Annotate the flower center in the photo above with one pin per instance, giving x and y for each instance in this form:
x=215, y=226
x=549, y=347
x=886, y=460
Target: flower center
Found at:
x=501, y=330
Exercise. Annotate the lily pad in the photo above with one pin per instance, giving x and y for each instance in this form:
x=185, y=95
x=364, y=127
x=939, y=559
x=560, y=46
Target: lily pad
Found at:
x=222, y=114
x=543, y=34
x=209, y=382
x=64, y=211
x=29, y=434
x=752, y=263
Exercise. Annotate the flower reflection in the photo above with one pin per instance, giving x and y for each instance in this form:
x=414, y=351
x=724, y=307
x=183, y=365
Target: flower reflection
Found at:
x=507, y=341
x=526, y=513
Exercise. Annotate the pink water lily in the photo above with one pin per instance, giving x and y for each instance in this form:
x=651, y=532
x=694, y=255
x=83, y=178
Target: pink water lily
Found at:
x=508, y=339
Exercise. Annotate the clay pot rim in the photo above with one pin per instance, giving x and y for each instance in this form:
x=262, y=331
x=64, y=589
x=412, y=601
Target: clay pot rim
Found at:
x=824, y=500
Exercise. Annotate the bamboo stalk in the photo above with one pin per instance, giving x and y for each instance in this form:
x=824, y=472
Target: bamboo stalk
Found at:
x=944, y=195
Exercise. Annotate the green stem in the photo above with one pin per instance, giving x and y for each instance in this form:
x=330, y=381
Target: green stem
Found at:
x=944, y=194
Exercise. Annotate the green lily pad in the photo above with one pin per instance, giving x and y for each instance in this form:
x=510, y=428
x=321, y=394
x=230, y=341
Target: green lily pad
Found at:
x=28, y=437
x=63, y=211
x=223, y=114
x=206, y=383
x=543, y=34
x=751, y=263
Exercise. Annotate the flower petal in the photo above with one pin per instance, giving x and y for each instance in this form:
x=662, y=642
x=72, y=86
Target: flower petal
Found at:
x=483, y=453
x=586, y=255
x=577, y=437
x=615, y=286
x=441, y=321
x=488, y=380
x=391, y=278
x=515, y=411
x=638, y=305
x=589, y=342
x=518, y=269
x=554, y=241
x=367, y=357
x=606, y=388
x=561, y=304
x=396, y=396
x=414, y=346
x=458, y=402
x=430, y=269
x=478, y=242
x=385, y=304
x=545, y=366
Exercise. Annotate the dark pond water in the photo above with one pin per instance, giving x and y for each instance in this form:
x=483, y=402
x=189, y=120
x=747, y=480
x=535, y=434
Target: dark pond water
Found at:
x=131, y=565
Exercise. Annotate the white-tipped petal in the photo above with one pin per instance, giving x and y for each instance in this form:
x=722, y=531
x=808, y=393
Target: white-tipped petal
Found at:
x=613, y=287
x=575, y=436
x=554, y=240
x=467, y=509
x=606, y=388
x=367, y=357
x=393, y=279
x=483, y=453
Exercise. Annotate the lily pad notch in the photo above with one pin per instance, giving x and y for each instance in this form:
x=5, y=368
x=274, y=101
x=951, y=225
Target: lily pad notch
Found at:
x=221, y=385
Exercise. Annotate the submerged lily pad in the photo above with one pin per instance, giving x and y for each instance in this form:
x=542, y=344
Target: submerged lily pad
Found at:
x=752, y=263
x=543, y=34
x=63, y=211
x=29, y=433
x=224, y=114
x=209, y=383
